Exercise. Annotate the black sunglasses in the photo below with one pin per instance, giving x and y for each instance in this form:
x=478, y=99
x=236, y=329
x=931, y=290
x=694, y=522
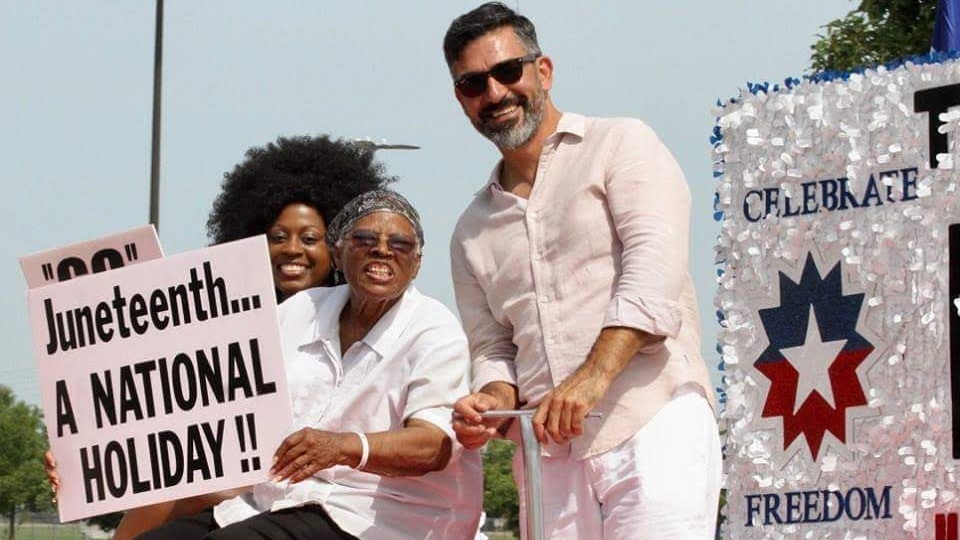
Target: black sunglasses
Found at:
x=506, y=72
x=399, y=243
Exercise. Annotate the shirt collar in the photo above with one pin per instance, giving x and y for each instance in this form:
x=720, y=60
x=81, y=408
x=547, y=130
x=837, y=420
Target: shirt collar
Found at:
x=573, y=124
x=384, y=335
x=569, y=124
x=326, y=321
x=326, y=315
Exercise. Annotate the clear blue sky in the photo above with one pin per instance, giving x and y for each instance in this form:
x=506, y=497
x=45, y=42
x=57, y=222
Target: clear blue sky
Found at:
x=76, y=97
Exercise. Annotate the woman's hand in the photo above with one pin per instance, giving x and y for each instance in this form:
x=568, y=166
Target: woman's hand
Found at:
x=50, y=467
x=306, y=452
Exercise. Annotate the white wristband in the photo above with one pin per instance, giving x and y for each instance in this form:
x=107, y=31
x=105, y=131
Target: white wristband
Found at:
x=364, y=451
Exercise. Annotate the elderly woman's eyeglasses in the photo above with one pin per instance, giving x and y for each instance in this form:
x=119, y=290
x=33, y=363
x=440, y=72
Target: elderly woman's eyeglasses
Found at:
x=506, y=72
x=398, y=243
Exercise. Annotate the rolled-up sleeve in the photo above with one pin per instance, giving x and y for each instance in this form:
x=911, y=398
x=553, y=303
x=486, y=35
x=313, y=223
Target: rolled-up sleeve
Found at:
x=649, y=202
x=439, y=374
x=492, y=350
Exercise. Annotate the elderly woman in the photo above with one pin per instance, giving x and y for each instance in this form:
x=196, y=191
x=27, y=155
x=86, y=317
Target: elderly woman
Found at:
x=373, y=368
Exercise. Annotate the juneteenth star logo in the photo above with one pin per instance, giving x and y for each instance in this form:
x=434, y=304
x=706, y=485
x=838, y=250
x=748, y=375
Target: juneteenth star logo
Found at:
x=815, y=360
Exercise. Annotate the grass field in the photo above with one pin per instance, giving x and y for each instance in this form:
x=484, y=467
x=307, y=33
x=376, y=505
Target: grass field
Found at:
x=45, y=531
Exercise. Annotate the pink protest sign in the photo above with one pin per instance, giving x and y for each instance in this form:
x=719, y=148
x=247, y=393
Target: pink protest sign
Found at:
x=161, y=380
x=106, y=253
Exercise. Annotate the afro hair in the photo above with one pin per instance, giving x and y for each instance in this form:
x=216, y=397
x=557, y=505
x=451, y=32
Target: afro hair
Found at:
x=317, y=171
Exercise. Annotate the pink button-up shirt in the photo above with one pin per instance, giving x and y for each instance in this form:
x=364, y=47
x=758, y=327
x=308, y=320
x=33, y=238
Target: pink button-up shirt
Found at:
x=602, y=241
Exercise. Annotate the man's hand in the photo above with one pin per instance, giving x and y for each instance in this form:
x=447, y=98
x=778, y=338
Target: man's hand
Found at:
x=471, y=429
x=562, y=411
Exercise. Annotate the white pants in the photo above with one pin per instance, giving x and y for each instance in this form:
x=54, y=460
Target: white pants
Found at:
x=662, y=483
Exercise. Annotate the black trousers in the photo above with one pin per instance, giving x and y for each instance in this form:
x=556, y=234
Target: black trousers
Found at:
x=305, y=522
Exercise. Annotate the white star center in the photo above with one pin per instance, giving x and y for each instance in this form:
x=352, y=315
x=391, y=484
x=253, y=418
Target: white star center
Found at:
x=812, y=360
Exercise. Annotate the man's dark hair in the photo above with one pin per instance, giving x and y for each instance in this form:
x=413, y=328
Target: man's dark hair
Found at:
x=486, y=18
x=319, y=172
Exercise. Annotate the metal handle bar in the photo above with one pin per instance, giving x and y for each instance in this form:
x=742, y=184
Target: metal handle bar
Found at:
x=531, y=466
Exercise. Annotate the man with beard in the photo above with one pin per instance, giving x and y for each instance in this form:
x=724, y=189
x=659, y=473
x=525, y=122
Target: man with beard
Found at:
x=570, y=272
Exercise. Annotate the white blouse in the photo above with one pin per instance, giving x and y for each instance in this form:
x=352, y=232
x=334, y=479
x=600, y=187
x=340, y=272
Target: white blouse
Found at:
x=412, y=364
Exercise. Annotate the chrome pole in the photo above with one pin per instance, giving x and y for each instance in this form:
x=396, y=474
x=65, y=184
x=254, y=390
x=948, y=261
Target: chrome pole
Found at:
x=532, y=474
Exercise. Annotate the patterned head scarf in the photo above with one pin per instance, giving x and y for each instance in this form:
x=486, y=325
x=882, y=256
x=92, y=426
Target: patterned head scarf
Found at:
x=378, y=200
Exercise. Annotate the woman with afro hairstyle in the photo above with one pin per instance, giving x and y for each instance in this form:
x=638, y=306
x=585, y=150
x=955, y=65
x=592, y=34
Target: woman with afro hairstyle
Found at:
x=289, y=190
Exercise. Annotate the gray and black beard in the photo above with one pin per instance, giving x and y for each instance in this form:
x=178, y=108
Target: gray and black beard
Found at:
x=513, y=137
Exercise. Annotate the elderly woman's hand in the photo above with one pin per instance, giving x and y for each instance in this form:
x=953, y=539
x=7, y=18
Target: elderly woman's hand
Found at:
x=305, y=452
